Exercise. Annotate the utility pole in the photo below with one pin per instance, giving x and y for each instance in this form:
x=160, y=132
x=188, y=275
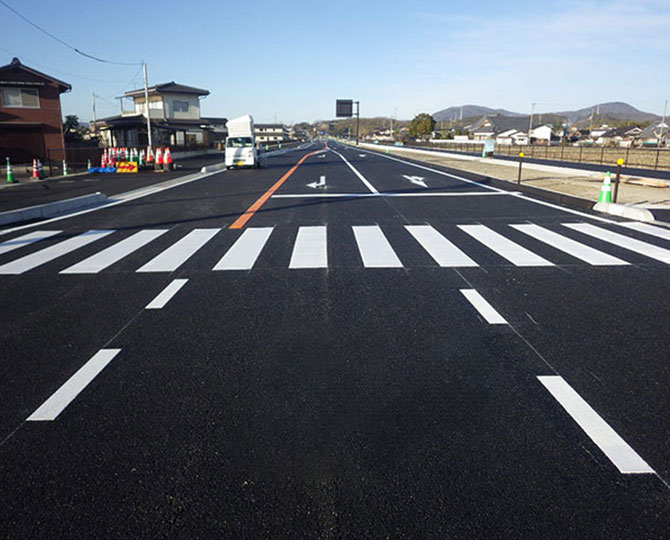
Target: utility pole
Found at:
x=358, y=118
x=530, y=123
x=146, y=104
x=95, y=121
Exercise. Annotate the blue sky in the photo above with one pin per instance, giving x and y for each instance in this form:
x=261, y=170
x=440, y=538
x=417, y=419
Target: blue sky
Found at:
x=290, y=60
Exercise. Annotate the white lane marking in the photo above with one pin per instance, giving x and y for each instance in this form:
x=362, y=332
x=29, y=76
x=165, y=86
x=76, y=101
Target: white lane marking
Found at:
x=243, y=253
x=55, y=405
x=620, y=240
x=52, y=252
x=124, y=198
x=613, y=446
x=513, y=252
x=353, y=195
x=177, y=254
x=26, y=239
x=485, y=309
x=436, y=171
x=310, y=249
x=374, y=248
x=569, y=246
x=418, y=180
x=445, y=253
x=362, y=178
x=320, y=183
x=514, y=193
x=166, y=295
x=107, y=257
x=648, y=229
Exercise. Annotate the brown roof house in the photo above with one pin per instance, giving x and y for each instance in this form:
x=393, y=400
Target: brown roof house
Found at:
x=31, y=123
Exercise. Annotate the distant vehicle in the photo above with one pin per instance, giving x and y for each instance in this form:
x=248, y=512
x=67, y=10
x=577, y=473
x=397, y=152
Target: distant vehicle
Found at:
x=240, y=143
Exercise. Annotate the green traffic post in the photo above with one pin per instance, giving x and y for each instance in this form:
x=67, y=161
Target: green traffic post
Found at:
x=518, y=181
x=10, y=173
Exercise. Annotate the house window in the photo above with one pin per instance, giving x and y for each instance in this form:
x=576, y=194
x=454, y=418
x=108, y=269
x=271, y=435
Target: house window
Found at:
x=180, y=106
x=20, y=97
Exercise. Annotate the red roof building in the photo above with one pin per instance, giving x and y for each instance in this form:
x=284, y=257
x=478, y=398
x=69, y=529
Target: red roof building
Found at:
x=31, y=122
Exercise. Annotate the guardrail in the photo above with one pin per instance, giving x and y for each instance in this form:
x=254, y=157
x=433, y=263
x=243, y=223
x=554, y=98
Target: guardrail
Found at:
x=643, y=158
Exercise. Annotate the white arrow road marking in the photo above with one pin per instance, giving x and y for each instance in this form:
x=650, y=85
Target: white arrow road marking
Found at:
x=418, y=180
x=320, y=183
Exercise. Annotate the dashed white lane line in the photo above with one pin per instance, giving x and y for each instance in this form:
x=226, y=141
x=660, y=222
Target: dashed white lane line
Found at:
x=166, y=295
x=52, y=252
x=357, y=173
x=26, y=239
x=310, y=249
x=613, y=446
x=244, y=252
x=485, y=309
x=55, y=405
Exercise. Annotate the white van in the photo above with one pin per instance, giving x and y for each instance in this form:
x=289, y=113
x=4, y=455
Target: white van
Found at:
x=240, y=143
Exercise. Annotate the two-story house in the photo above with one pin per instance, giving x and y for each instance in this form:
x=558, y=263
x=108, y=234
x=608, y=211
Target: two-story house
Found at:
x=31, y=122
x=174, y=111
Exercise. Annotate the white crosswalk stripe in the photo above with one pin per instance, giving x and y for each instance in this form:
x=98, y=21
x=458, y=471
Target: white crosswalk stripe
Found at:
x=439, y=248
x=46, y=255
x=374, y=248
x=648, y=229
x=177, y=254
x=244, y=252
x=569, y=246
x=25, y=240
x=107, y=257
x=648, y=250
x=513, y=252
x=310, y=249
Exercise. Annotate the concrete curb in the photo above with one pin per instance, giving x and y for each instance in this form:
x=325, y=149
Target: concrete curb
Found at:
x=213, y=168
x=52, y=209
x=629, y=212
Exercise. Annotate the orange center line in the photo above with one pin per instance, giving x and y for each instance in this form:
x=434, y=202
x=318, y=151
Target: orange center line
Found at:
x=242, y=220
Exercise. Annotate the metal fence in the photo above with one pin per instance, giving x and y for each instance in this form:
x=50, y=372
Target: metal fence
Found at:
x=643, y=158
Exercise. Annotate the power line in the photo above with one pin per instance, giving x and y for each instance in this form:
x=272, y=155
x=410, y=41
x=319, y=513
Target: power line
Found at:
x=35, y=62
x=66, y=44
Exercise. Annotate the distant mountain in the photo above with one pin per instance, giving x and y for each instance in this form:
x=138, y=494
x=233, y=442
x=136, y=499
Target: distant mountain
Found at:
x=614, y=110
x=468, y=111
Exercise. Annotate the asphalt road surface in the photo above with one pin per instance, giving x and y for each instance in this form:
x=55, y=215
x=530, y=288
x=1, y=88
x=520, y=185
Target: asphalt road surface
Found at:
x=340, y=344
x=13, y=196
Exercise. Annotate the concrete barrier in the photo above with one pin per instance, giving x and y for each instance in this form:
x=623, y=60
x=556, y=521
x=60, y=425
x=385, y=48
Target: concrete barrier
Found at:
x=629, y=212
x=52, y=209
x=213, y=168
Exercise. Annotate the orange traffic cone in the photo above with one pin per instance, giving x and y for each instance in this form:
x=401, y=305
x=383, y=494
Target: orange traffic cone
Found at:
x=150, y=155
x=167, y=159
x=36, y=173
x=159, y=159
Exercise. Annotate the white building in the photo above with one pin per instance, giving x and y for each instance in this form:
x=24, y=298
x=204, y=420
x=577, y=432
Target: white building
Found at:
x=174, y=110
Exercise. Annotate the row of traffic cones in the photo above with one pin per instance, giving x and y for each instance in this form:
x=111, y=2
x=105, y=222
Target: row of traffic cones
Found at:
x=159, y=160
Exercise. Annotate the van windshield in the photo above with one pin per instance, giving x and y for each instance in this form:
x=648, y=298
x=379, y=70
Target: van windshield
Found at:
x=239, y=142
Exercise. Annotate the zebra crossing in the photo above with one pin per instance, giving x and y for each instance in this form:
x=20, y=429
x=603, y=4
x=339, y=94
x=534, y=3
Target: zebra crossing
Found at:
x=309, y=248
